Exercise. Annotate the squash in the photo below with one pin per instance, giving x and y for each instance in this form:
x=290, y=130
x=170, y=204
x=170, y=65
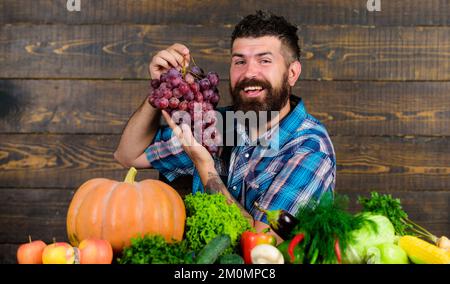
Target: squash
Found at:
x=118, y=211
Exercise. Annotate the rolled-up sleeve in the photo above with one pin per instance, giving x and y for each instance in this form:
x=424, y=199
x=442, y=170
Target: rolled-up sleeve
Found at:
x=166, y=155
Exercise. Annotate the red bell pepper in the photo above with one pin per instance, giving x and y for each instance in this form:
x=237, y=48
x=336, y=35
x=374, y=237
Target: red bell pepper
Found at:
x=249, y=240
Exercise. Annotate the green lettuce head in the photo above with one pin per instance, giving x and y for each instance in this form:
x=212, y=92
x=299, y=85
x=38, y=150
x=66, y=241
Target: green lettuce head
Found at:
x=387, y=253
x=368, y=237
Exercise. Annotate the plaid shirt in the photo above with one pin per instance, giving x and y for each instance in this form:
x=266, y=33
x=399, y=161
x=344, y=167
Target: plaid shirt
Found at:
x=301, y=171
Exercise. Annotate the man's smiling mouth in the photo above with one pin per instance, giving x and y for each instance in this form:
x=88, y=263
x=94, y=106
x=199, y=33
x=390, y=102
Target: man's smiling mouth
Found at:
x=252, y=91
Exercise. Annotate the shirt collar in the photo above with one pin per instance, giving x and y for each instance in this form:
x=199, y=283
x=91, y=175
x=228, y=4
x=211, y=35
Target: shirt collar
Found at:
x=287, y=126
x=291, y=122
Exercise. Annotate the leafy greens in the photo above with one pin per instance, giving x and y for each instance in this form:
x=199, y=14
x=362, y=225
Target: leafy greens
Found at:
x=153, y=249
x=386, y=205
x=209, y=215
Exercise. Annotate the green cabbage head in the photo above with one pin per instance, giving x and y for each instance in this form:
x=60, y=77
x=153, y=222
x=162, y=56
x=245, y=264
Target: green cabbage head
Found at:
x=368, y=237
x=387, y=253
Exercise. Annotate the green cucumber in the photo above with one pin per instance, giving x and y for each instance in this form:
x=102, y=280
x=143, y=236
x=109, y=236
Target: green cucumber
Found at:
x=231, y=259
x=213, y=249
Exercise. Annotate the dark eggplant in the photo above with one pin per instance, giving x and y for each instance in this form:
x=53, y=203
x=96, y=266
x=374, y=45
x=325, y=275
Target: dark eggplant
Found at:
x=280, y=221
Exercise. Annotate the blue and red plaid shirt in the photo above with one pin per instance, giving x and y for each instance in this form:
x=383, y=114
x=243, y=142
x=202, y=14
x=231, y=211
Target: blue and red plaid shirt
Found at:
x=302, y=169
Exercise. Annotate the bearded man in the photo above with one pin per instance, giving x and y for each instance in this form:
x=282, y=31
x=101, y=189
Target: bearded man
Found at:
x=264, y=68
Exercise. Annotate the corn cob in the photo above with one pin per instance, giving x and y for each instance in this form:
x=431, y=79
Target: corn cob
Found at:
x=422, y=252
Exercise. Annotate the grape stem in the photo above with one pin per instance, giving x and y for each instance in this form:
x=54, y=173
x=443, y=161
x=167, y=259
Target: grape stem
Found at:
x=184, y=70
x=195, y=75
x=195, y=64
x=193, y=61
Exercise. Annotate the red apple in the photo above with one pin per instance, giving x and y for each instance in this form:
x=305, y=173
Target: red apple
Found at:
x=95, y=251
x=59, y=253
x=31, y=252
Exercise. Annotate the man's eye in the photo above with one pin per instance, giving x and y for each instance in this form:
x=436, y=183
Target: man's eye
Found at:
x=240, y=62
x=265, y=61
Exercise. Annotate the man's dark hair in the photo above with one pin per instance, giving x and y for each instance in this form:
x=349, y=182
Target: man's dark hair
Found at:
x=267, y=24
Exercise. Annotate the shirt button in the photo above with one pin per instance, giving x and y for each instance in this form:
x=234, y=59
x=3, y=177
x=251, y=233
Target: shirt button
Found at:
x=234, y=187
x=246, y=155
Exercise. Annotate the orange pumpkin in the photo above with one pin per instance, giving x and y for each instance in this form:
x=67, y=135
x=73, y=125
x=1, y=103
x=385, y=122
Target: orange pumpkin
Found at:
x=118, y=211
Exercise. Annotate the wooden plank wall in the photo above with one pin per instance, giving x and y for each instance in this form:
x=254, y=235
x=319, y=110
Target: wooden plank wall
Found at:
x=380, y=81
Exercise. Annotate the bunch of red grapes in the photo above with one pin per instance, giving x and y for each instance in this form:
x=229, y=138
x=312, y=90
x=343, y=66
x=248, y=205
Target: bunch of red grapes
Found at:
x=193, y=92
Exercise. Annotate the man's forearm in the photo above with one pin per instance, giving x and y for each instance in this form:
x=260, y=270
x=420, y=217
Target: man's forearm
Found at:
x=213, y=184
x=138, y=133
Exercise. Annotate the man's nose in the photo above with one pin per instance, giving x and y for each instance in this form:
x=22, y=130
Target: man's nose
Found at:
x=252, y=70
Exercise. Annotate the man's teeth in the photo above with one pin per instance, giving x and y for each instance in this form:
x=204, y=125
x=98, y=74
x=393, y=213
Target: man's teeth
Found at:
x=252, y=88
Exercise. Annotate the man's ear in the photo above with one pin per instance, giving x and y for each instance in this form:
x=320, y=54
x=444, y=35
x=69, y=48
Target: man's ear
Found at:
x=295, y=68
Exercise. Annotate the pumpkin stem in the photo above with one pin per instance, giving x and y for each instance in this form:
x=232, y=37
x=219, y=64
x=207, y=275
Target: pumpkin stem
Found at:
x=29, y=238
x=131, y=175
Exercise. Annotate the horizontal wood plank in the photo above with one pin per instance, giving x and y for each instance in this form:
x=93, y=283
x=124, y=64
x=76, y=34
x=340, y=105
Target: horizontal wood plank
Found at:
x=41, y=213
x=68, y=106
x=379, y=108
x=388, y=163
x=195, y=12
x=346, y=108
x=124, y=51
x=61, y=161
x=8, y=253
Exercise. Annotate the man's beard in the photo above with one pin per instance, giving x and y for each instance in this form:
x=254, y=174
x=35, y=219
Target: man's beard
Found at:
x=273, y=100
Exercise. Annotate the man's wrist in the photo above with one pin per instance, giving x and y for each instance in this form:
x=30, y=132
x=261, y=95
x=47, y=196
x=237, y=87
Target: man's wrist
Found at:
x=149, y=111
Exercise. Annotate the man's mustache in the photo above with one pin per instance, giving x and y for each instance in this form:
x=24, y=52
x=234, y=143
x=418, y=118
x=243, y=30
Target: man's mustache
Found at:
x=241, y=85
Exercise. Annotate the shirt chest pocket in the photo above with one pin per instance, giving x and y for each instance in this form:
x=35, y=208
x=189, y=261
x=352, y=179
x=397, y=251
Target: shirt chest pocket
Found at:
x=259, y=180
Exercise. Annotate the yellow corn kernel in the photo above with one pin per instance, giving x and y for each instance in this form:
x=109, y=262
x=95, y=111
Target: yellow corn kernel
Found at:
x=422, y=252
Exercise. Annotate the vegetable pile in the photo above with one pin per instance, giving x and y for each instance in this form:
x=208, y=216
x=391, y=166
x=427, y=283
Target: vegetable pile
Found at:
x=327, y=228
x=380, y=234
x=213, y=231
x=204, y=229
x=322, y=233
